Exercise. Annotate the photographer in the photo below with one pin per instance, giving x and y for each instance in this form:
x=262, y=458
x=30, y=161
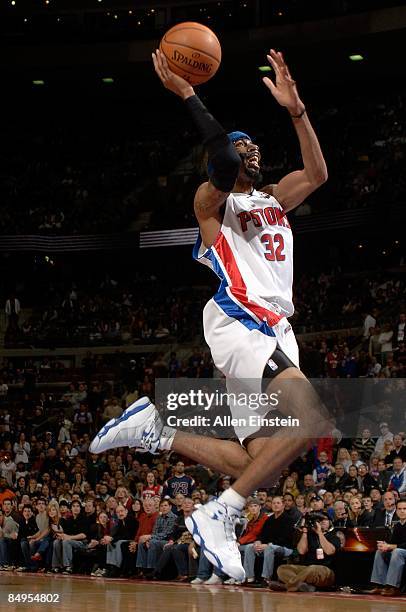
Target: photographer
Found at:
x=317, y=548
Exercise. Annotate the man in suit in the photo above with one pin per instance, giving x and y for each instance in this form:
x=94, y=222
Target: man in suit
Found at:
x=384, y=517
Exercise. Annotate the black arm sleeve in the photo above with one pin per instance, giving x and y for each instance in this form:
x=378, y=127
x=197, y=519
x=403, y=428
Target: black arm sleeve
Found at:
x=224, y=160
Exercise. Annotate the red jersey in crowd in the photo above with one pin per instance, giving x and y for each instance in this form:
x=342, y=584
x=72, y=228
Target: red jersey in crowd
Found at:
x=155, y=490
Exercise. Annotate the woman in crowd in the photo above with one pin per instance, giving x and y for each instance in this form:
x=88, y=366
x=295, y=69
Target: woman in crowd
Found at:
x=152, y=487
x=357, y=517
x=343, y=457
x=301, y=503
x=289, y=486
x=353, y=481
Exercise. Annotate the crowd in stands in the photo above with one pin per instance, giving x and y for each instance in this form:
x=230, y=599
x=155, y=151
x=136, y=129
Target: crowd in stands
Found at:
x=108, y=312
x=121, y=514
x=74, y=178
x=369, y=309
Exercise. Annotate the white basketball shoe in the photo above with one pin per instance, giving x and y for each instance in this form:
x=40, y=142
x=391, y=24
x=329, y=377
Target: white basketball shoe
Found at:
x=212, y=528
x=139, y=427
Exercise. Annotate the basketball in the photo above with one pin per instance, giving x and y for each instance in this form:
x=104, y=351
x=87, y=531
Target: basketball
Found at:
x=193, y=51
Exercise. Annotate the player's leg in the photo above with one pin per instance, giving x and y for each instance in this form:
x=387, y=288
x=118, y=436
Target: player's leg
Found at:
x=212, y=525
x=141, y=427
x=271, y=454
x=223, y=456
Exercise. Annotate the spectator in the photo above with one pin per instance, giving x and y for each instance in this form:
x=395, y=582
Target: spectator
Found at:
x=397, y=481
x=74, y=536
x=399, y=450
x=151, y=545
x=385, y=435
x=340, y=518
x=365, y=480
x=364, y=444
x=384, y=475
x=9, y=544
x=275, y=539
x=177, y=547
x=121, y=534
x=385, y=516
x=357, y=516
x=390, y=558
x=322, y=470
x=179, y=482
x=338, y=479
x=27, y=529
x=152, y=489
x=21, y=449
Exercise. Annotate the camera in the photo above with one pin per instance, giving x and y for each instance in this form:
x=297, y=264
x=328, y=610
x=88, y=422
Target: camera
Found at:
x=309, y=520
x=314, y=517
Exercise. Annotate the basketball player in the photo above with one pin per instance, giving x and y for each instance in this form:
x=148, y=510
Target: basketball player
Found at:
x=246, y=239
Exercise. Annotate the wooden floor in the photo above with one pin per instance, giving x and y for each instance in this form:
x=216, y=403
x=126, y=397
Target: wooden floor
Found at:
x=78, y=594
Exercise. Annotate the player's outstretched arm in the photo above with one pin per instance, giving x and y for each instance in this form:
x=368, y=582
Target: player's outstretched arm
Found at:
x=223, y=159
x=296, y=186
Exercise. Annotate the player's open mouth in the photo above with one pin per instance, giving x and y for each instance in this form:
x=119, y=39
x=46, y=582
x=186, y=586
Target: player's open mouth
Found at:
x=253, y=161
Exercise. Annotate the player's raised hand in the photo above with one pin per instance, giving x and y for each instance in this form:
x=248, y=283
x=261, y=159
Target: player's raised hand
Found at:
x=170, y=80
x=284, y=88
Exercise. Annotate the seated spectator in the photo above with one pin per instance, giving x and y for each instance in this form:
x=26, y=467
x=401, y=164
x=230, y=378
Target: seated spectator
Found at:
x=397, y=481
x=343, y=457
x=399, y=450
x=384, y=476
x=390, y=558
x=27, y=529
x=152, y=487
x=42, y=542
x=356, y=515
x=9, y=544
x=365, y=480
x=290, y=486
x=98, y=544
x=146, y=523
x=122, y=533
x=177, y=547
x=338, y=479
x=275, y=539
x=291, y=509
x=340, y=518
x=369, y=511
x=73, y=536
x=179, y=482
x=124, y=499
x=151, y=545
x=386, y=435
x=322, y=470
x=353, y=479
x=317, y=548
x=384, y=517
x=364, y=444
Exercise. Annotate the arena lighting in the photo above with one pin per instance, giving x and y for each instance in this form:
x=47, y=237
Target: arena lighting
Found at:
x=264, y=68
x=108, y=80
x=356, y=57
x=13, y=2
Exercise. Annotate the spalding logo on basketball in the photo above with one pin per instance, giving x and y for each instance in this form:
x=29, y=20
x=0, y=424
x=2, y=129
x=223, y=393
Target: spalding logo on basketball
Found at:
x=193, y=51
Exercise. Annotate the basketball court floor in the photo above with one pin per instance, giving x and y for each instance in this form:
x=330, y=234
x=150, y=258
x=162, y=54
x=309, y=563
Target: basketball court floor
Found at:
x=83, y=594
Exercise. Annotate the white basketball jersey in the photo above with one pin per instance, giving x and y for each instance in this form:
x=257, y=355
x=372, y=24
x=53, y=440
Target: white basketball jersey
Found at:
x=253, y=257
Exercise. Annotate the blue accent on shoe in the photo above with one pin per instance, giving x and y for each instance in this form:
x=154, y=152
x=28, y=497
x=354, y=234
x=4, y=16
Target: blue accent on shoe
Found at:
x=124, y=417
x=203, y=545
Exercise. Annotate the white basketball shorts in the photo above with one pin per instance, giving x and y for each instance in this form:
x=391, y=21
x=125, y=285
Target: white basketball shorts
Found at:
x=241, y=354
